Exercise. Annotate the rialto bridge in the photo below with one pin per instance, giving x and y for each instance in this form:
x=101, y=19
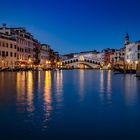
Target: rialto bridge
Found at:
x=82, y=62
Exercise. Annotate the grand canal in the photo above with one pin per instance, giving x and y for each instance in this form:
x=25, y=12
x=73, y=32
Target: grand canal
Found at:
x=74, y=104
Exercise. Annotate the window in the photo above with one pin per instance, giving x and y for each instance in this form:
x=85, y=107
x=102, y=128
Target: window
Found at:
x=138, y=47
x=138, y=55
x=11, y=45
x=3, y=53
x=3, y=44
x=15, y=55
x=0, y=53
x=11, y=54
x=7, y=45
x=6, y=53
x=15, y=46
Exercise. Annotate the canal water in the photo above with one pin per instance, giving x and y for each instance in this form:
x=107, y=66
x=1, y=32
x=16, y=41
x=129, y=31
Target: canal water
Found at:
x=74, y=104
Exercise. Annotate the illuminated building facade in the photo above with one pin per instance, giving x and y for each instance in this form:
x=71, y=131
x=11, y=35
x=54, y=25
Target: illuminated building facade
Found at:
x=107, y=55
x=8, y=51
x=132, y=54
x=17, y=47
x=44, y=55
x=118, y=58
x=88, y=54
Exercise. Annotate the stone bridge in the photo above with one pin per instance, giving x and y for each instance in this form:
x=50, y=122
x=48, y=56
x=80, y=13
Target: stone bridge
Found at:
x=82, y=62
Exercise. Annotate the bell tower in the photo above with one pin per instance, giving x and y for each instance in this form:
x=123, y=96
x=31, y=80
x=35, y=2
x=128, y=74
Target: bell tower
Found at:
x=126, y=39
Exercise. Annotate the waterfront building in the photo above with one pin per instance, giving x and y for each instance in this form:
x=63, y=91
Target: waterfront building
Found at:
x=87, y=54
x=20, y=46
x=48, y=57
x=36, y=51
x=68, y=56
x=24, y=42
x=107, y=55
x=8, y=51
x=100, y=57
x=54, y=58
x=44, y=56
x=118, y=58
x=132, y=54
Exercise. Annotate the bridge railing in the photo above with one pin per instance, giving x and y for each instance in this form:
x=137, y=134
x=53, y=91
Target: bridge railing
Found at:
x=87, y=60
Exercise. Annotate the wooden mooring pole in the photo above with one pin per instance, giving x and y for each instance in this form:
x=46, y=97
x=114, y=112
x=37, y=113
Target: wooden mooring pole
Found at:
x=138, y=69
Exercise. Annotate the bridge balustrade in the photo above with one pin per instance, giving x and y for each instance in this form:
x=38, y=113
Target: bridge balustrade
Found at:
x=78, y=60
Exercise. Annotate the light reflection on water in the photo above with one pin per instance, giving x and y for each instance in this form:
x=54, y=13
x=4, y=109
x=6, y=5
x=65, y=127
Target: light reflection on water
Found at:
x=47, y=91
x=131, y=90
x=81, y=84
x=105, y=86
x=59, y=86
x=101, y=84
x=24, y=88
x=69, y=100
x=109, y=74
x=29, y=93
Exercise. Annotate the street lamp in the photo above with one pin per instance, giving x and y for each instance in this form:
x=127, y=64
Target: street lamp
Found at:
x=136, y=62
x=128, y=61
x=46, y=61
x=30, y=60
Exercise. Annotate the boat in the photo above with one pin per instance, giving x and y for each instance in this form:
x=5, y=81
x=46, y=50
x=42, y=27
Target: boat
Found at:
x=124, y=71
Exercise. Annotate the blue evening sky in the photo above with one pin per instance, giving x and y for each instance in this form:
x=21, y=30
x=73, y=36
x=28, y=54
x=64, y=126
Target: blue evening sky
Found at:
x=75, y=25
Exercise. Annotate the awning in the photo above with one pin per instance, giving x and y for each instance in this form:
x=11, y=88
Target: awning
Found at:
x=22, y=63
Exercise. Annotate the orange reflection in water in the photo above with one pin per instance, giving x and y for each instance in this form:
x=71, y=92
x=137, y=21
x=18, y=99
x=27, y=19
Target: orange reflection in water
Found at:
x=20, y=85
x=30, y=107
x=39, y=81
x=47, y=91
x=24, y=86
x=2, y=79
